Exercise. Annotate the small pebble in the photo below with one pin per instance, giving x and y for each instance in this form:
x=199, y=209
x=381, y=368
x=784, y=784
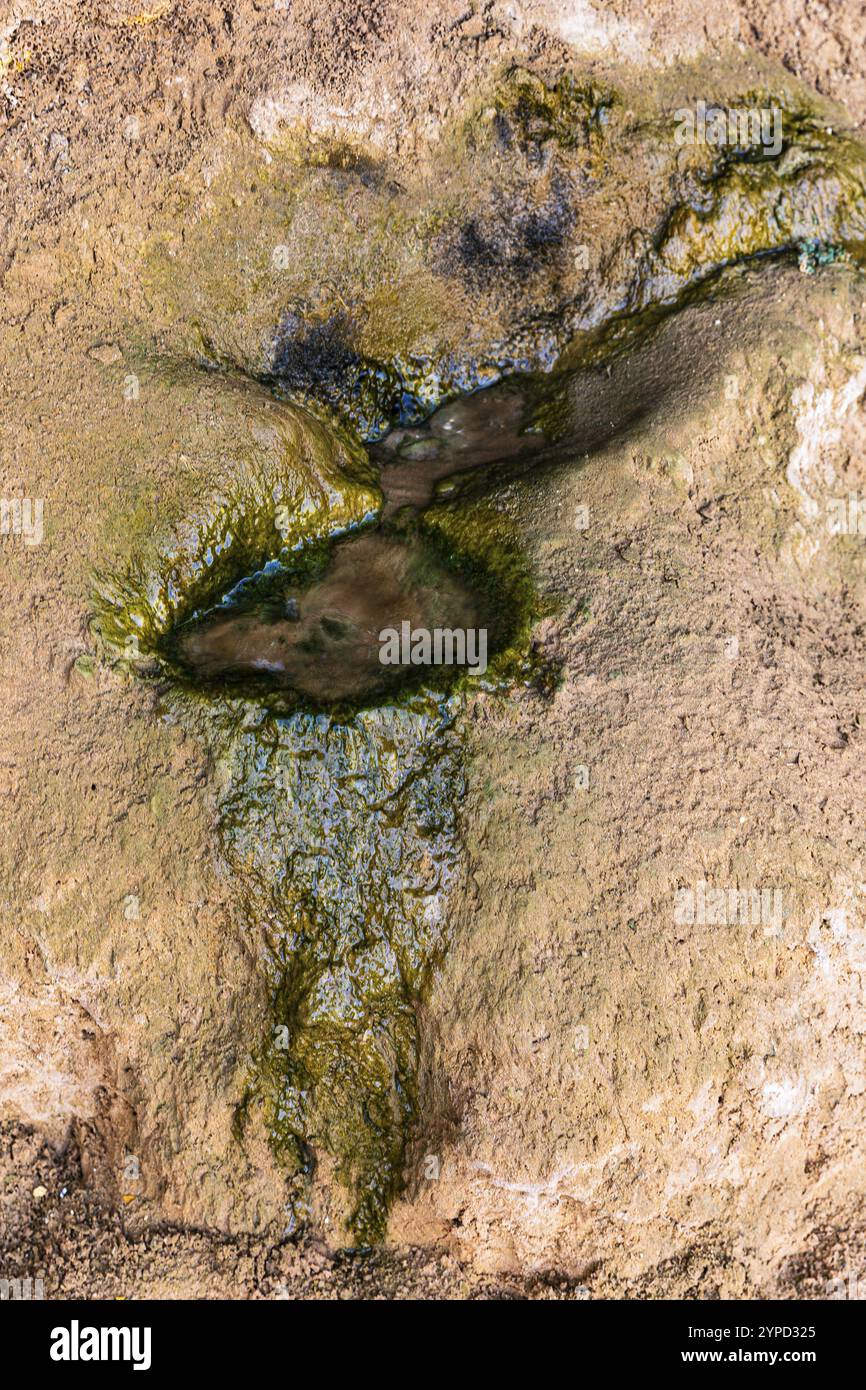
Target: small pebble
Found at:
x=106, y=353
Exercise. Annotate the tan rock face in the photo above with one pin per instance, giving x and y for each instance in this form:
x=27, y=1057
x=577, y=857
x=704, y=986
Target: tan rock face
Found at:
x=632, y=1050
x=650, y=1023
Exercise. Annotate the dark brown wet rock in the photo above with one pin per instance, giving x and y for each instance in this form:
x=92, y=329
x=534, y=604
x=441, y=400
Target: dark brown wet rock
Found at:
x=328, y=642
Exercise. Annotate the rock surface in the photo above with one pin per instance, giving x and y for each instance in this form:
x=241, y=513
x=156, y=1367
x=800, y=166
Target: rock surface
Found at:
x=626, y=1085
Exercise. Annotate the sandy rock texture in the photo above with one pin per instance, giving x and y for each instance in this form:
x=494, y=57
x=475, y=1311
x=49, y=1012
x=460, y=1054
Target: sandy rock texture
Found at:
x=627, y=1086
x=622, y=1076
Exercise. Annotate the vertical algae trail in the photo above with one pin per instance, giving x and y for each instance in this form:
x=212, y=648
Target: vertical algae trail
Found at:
x=343, y=839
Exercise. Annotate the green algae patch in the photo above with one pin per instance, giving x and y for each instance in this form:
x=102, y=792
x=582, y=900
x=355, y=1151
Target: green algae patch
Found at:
x=284, y=481
x=570, y=110
x=343, y=838
x=813, y=193
x=492, y=554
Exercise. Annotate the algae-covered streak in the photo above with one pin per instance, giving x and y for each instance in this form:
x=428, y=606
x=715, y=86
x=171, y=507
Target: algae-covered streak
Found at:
x=337, y=790
x=343, y=839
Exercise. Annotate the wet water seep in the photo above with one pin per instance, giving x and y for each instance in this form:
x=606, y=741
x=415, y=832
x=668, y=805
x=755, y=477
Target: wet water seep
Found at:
x=342, y=779
x=342, y=838
x=329, y=640
x=333, y=720
x=324, y=627
x=487, y=427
